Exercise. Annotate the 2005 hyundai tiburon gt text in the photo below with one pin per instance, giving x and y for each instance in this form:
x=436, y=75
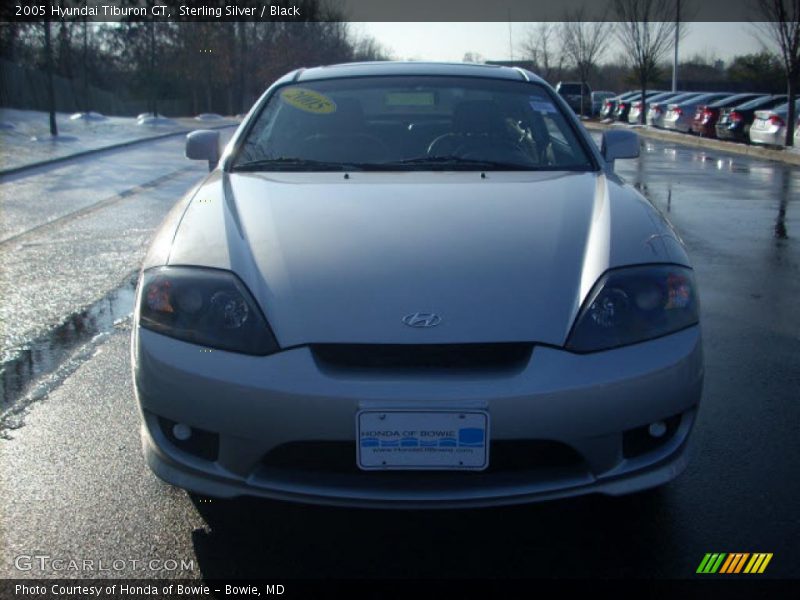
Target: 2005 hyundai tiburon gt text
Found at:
x=415, y=285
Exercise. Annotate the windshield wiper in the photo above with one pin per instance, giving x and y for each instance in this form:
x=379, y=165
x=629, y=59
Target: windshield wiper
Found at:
x=297, y=164
x=439, y=163
x=458, y=163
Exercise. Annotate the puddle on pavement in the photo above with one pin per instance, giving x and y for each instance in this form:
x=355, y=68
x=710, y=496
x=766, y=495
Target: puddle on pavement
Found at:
x=46, y=354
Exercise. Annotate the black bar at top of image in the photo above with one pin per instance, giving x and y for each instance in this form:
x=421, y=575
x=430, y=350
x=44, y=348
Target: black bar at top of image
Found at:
x=363, y=10
x=727, y=588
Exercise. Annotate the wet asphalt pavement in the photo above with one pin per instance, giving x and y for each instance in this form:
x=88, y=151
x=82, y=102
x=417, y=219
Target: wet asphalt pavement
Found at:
x=76, y=485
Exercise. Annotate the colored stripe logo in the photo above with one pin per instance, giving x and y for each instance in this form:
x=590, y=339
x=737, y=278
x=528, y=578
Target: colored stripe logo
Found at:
x=734, y=563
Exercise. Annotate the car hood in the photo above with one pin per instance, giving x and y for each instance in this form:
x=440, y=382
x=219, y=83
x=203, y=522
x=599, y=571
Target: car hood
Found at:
x=501, y=258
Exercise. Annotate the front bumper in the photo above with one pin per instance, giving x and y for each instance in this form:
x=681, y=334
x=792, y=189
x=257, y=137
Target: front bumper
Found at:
x=586, y=404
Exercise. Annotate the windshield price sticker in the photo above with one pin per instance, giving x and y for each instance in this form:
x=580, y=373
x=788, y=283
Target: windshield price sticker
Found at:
x=308, y=101
x=541, y=105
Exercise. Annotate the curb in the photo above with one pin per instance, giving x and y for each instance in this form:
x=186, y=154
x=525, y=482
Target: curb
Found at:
x=700, y=142
x=90, y=151
x=77, y=214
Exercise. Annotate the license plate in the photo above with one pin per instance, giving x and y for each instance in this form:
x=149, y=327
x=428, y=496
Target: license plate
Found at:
x=760, y=124
x=422, y=440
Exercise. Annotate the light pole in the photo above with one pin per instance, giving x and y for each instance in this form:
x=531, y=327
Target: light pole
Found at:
x=675, y=56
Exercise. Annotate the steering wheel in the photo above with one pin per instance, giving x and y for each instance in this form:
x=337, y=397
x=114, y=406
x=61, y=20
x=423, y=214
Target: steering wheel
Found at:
x=494, y=148
x=435, y=148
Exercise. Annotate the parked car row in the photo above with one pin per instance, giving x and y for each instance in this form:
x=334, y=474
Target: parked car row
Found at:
x=744, y=117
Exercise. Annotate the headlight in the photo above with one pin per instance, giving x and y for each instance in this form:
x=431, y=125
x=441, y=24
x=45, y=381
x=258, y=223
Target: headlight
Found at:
x=208, y=307
x=634, y=304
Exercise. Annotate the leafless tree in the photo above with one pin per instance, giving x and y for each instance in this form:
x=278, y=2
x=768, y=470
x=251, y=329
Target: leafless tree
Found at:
x=180, y=65
x=584, y=42
x=646, y=30
x=51, y=96
x=368, y=48
x=781, y=28
x=542, y=48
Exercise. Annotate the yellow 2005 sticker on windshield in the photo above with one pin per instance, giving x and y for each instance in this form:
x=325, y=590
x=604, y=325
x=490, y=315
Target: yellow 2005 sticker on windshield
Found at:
x=308, y=100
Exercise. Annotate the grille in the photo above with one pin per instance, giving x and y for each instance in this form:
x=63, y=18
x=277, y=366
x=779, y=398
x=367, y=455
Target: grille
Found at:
x=494, y=357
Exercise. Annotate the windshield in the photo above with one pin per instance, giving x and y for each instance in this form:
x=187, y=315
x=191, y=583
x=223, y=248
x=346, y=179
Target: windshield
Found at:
x=761, y=102
x=685, y=98
x=572, y=88
x=411, y=123
x=784, y=108
x=731, y=100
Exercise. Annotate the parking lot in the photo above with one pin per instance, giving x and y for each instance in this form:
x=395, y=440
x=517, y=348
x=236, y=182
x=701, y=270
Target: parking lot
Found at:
x=80, y=489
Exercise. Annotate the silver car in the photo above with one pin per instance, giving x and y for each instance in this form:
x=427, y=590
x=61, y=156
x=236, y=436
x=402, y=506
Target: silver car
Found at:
x=598, y=98
x=657, y=110
x=680, y=113
x=636, y=108
x=769, y=126
x=415, y=285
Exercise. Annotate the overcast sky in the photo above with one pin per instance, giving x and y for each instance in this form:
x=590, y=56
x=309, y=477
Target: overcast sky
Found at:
x=450, y=41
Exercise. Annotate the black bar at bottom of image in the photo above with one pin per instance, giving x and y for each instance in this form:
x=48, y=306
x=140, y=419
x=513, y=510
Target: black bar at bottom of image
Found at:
x=385, y=589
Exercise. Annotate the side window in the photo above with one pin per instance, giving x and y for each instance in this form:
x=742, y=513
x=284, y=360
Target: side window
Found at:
x=256, y=144
x=553, y=128
x=549, y=118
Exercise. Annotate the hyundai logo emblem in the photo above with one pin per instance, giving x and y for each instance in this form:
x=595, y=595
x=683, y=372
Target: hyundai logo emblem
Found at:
x=419, y=319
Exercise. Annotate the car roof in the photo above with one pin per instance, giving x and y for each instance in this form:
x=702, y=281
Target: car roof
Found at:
x=635, y=95
x=731, y=100
x=665, y=95
x=411, y=68
x=680, y=96
x=782, y=108
x=705, y=97
x=760, y=102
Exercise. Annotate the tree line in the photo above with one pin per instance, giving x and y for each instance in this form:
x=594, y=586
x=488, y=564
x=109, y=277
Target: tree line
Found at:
x=220, y=66
x=223, y=66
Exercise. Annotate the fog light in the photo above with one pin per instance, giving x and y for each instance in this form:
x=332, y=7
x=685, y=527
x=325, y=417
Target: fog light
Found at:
x=200, y=442
x=657, y=429
x=647, y=438
x=183, y=432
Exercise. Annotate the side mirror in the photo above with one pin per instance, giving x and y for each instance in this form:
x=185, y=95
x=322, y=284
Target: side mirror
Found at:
x=619, y=144
x=203, y=145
